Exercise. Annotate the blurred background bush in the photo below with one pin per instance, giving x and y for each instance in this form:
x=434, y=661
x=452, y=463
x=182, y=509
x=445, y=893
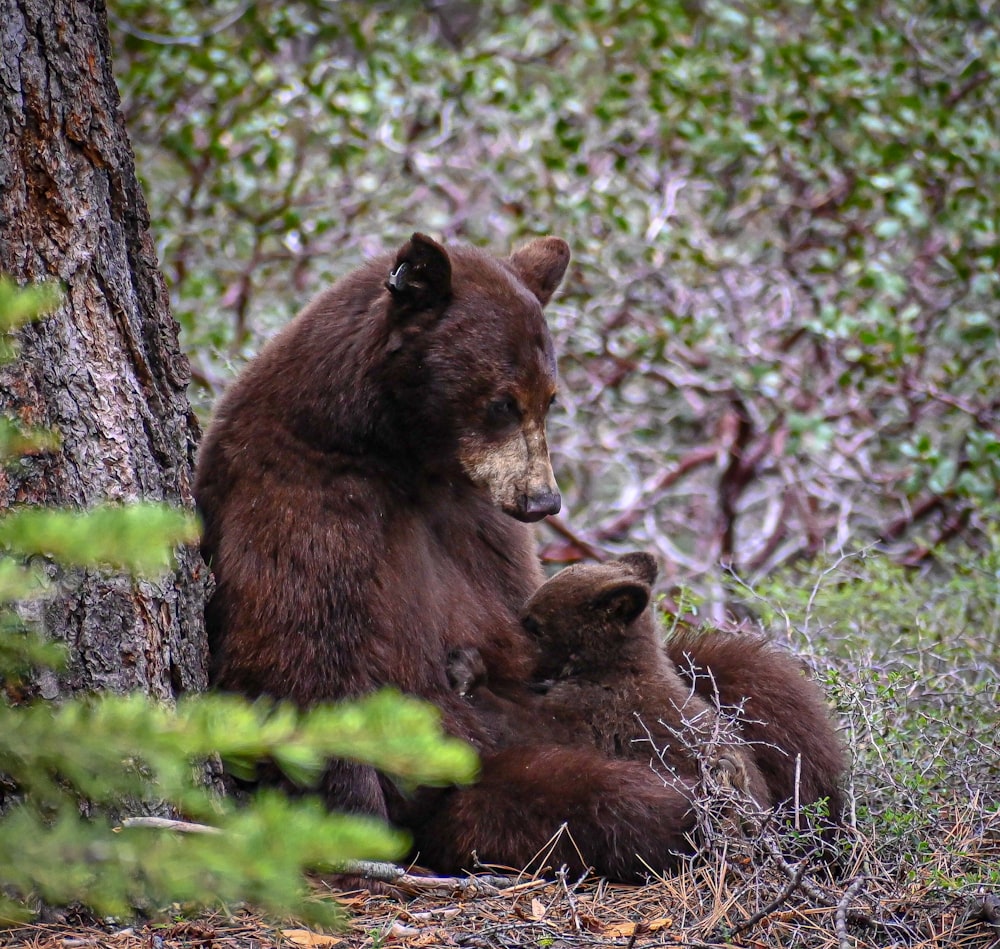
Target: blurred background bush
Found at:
x=779, y=335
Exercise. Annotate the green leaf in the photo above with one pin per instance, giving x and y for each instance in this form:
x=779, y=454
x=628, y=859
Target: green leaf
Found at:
x=20, y=305
x=17, y=440
x=139, y=538
x=18, y=582
x=943, y=476
x=888, y=228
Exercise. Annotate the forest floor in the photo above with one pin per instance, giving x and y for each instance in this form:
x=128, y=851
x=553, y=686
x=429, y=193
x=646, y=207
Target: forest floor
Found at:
x=748, y=896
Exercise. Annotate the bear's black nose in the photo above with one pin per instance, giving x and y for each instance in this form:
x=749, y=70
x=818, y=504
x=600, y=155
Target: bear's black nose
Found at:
x=536, y=506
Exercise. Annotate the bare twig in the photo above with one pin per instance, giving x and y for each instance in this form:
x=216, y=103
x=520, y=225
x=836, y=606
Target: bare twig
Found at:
x=567, y=533
x=817, y=895
x=570, y=896
x=471, y=885
x=978, y=79
x=186, y=39
x=840, y=917
x=696, y=458
x=793, y=883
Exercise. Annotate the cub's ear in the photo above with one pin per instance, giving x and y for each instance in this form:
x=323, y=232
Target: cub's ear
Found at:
x=541, y=265
x=623, y=601
x=641, y=565
x=421, y=276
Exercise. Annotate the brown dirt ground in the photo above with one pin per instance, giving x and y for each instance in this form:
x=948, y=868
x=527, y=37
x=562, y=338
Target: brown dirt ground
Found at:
x=736, y=898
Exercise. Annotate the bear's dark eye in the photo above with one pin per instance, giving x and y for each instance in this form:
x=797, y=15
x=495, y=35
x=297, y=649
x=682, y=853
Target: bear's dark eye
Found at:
x=531, y=625
x=503, y=412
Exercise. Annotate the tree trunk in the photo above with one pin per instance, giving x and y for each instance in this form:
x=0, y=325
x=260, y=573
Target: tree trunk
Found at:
x=105, y=371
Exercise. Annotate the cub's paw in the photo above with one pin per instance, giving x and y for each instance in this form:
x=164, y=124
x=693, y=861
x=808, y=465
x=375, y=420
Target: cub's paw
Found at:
x=465, y=669
x=730, y=807
x=729, y=770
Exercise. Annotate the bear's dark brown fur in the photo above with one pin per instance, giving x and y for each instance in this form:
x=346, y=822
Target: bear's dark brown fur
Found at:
x=614, y=816
x=357, y=480
x=604, y=679
x=783, y=715
x=363, y=487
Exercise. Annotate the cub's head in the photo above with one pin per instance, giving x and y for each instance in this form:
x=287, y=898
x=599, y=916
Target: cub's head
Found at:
x=583, y=618
x=477, y=362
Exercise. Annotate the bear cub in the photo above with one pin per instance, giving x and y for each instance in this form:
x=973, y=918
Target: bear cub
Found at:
x=602, y=677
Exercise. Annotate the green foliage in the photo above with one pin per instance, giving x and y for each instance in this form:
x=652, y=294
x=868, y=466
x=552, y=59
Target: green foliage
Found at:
x=128, y=752
x=116, y=537
x=20, y=305
x=866, y=602
x=258, y=855
x=912, y=660
x=117, y=748
x=42, y=744
x=17, y=307
x=17, y=440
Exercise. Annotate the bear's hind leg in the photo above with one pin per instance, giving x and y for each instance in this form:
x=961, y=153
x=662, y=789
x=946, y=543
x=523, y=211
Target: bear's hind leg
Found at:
x=783, y=714
x=553, y=806
x=352, y=788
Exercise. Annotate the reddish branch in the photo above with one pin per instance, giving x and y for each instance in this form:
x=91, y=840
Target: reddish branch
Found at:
x=619, y=527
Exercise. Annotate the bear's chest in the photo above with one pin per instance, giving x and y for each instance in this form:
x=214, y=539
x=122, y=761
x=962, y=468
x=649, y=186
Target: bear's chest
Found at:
x=451, y=583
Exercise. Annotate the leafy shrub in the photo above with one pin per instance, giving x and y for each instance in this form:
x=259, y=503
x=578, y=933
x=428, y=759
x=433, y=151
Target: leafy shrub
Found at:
x=911, y=660
x=779, y=333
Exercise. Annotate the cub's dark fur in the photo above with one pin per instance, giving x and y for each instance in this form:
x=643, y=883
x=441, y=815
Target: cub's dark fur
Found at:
x=784, y=716
x=605, y=679
x=610, y=683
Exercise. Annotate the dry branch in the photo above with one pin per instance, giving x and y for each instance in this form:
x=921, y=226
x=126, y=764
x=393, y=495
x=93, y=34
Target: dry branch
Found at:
x=164, y=823
x=842, y=909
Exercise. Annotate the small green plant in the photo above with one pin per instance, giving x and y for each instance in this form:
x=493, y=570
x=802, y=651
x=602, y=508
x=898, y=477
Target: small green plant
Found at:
x=910, y=660
x=122, y=753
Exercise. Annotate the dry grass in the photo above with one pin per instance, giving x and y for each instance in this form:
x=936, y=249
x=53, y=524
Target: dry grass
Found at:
x=748, y=893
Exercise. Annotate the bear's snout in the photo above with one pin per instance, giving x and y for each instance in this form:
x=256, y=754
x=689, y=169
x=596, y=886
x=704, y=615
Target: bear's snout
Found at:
x=517, y=471
x=533, y=507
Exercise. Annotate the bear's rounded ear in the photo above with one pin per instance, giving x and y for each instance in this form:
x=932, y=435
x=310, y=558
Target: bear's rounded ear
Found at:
x=421, y=276
x=642, y=565
x=624, y=601
x=541, y=264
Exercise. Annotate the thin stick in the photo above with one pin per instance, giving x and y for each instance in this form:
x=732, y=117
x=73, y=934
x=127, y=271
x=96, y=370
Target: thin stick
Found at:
x=794, y=881
x=840, y=917
x=570, y=898
x=478, y=885
x=164, y=823
x=798, y=782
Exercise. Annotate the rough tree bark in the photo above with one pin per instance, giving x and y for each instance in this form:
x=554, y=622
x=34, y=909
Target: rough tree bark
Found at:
x=105, y=371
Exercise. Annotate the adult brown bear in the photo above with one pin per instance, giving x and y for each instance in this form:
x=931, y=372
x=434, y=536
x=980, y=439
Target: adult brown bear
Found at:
x=364, y=487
